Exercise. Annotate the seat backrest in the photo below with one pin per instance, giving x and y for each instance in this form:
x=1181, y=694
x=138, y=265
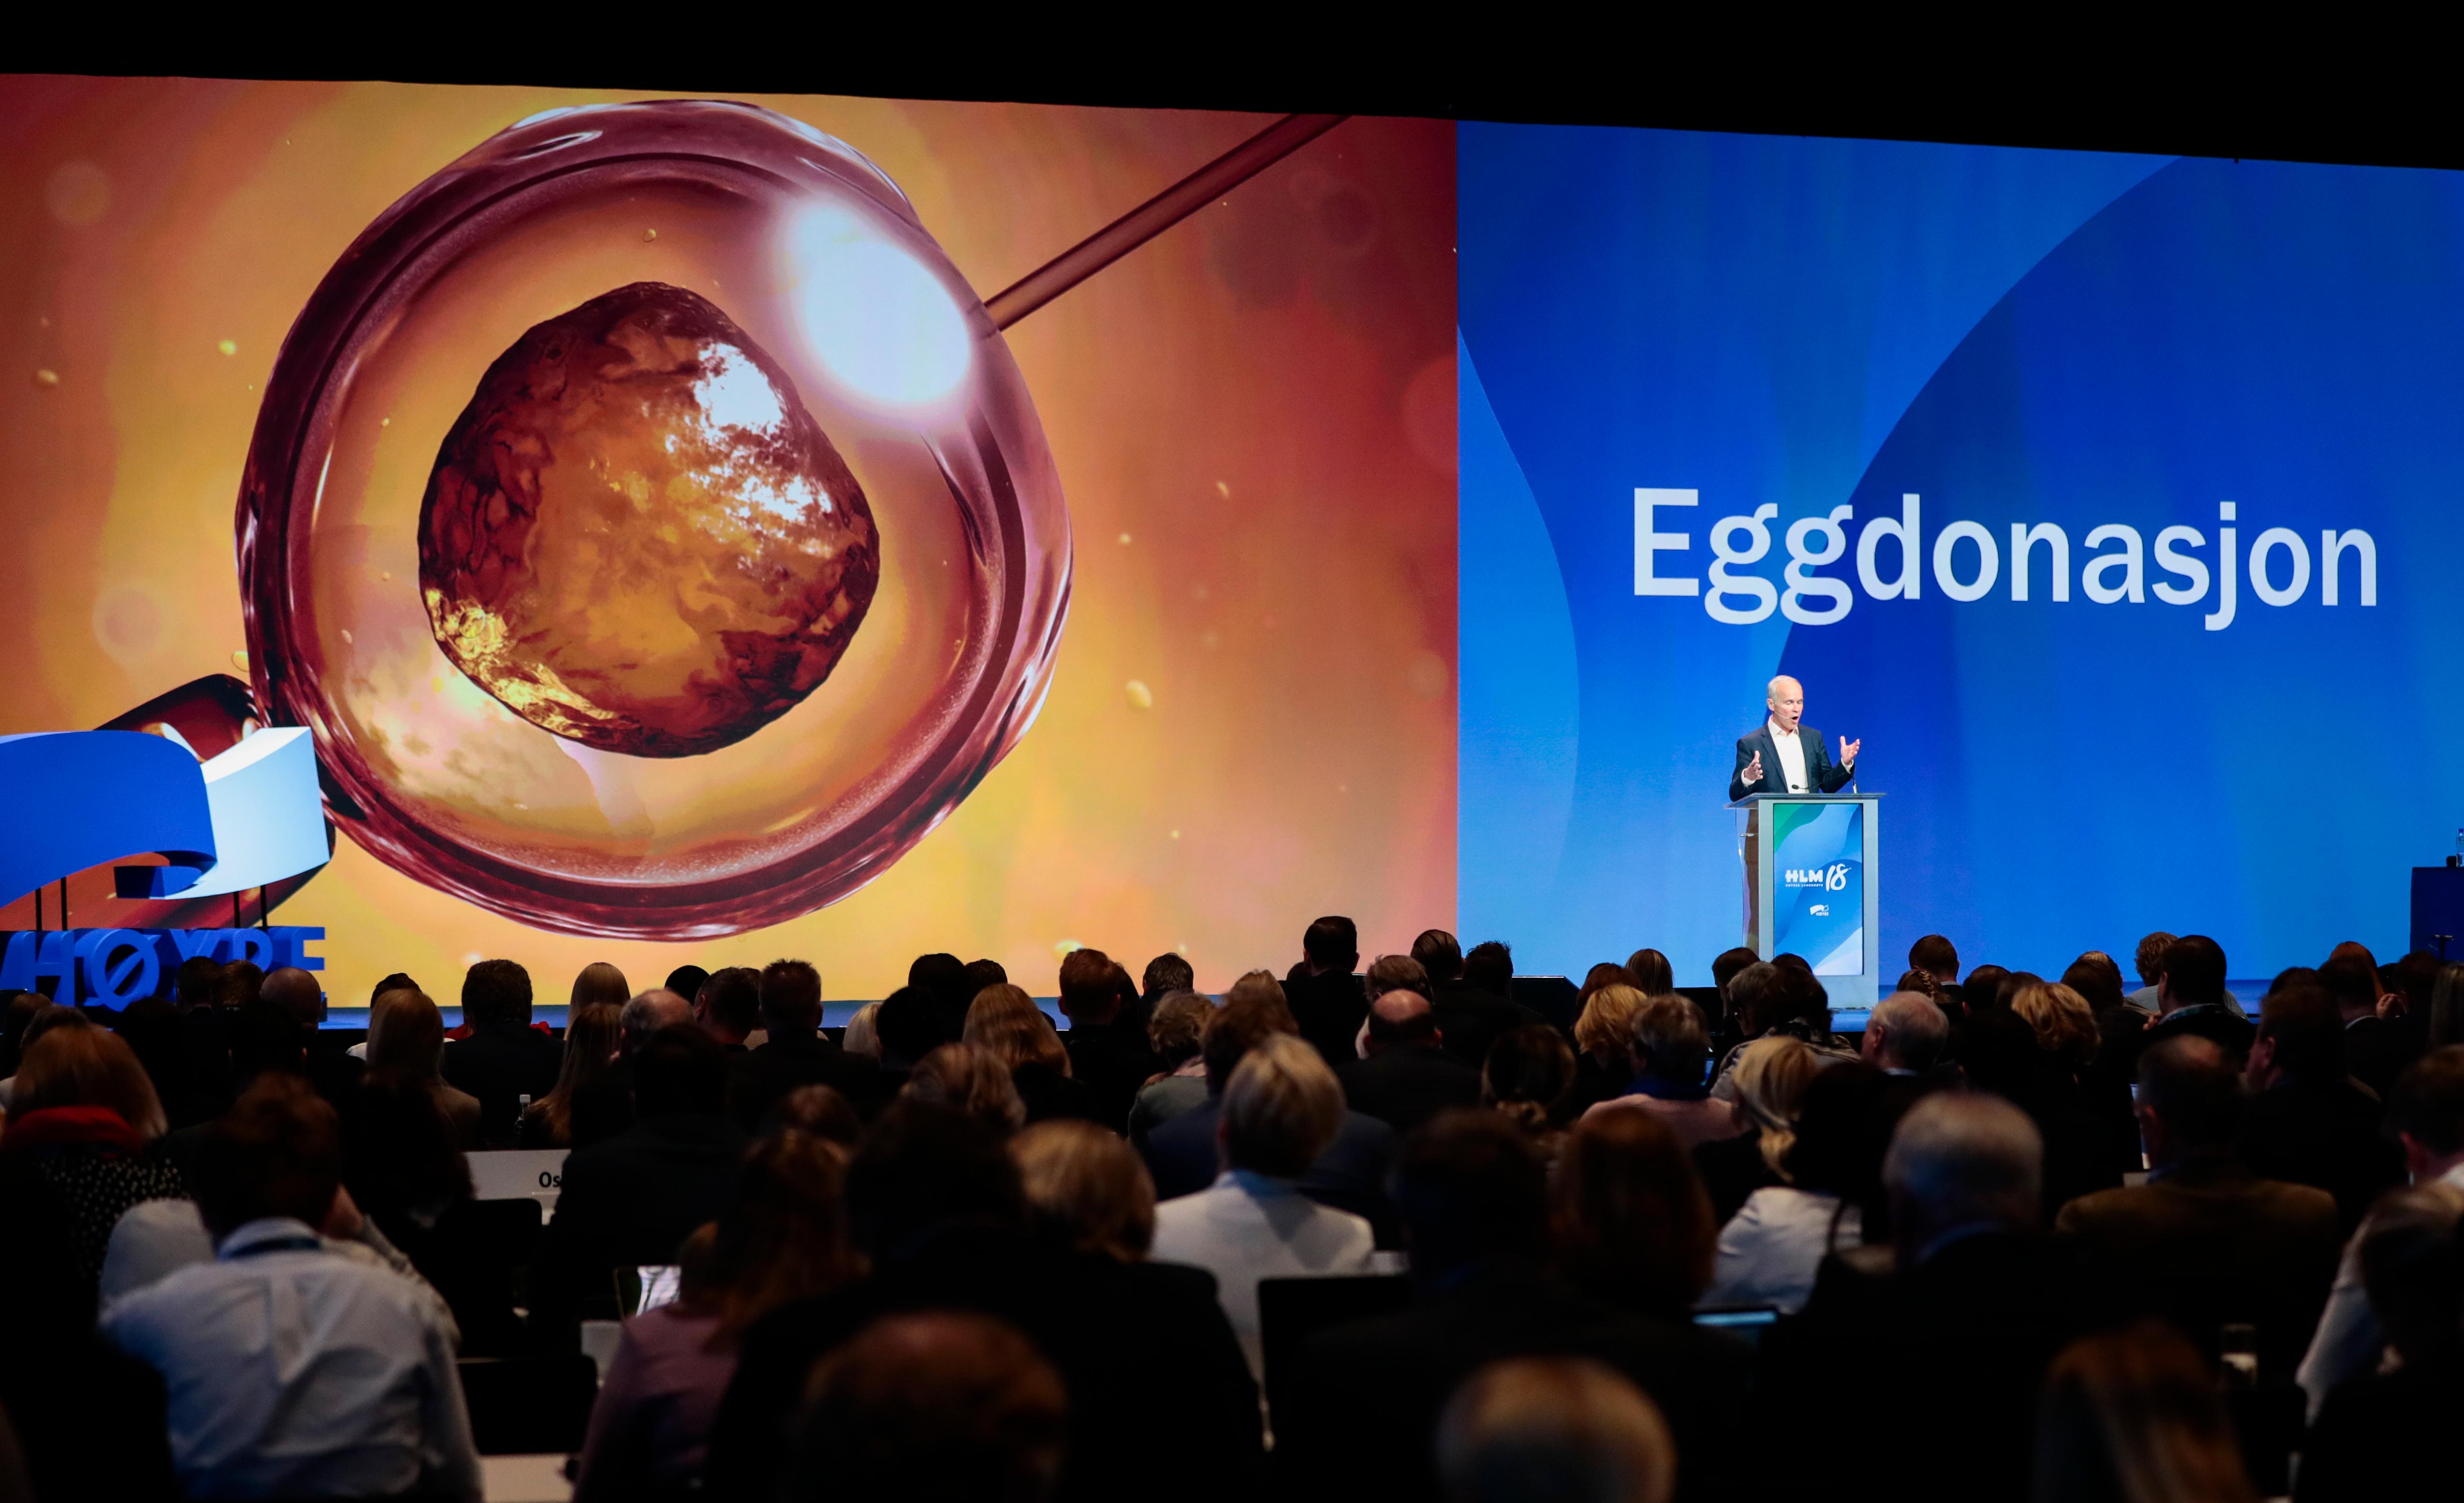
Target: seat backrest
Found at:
x=1292, y=1310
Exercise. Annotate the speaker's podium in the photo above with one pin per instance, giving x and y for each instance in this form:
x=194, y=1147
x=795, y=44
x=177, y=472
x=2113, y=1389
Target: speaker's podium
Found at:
x=1812, y=886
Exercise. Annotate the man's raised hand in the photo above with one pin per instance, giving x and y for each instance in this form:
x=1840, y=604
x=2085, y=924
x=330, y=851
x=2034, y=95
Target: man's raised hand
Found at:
x=1848, y=753
x=1753, y=773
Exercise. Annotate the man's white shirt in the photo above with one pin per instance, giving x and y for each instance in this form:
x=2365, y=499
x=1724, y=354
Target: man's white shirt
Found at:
x=1792, y=758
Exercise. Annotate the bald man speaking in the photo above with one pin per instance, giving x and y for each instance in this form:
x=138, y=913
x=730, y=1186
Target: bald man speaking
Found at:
x=1782, y=756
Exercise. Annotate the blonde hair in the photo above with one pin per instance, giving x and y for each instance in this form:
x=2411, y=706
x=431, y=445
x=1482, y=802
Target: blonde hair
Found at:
x=1772, y=1074
x=87, y=1066
x=972, y=1078
x=601, y=981
x=591, y=1035
x=1554, y=1426
x=1280, y=1108
x=1005, y=1020
x=864, y=1031
x=406, y=1034
x=2061, y=1018
x=1607, y=1023
x=1085, y=1184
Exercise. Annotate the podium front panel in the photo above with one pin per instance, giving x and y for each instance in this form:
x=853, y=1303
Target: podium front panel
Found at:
x=1813, y=888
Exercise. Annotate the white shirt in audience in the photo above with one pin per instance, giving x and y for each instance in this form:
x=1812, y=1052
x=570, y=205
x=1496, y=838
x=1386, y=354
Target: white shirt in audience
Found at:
x=295, y=1370
x=1246, y=1226
x=2347, y=1342
x=1770, y=1248
x=151, y=1241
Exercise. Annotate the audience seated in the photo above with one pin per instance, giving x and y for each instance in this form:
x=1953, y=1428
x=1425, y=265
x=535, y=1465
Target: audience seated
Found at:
x=1184, y=1154
x=2375, y=1050
x=782, y=1237
x=84, y=1134
x=2445, y=1020
x=2426, y=1113
x=2190, y=999
x=404, y=1169
x=406, y=1040
x=1005, y=1021
x=818, y=1111
x=862, y=1035
x=1529, y=1081
x=727, y=1008
x=1604, y=1034
x=1671, y=1058
x=1174, y=1033
x=292, y=1370
x=1280, y=1110
x=2133, y=1414
x=1905, y=1034
x=1783, y=1002
x=1475, y=1205
x=1769, y=1251
x=1937, y=957
x=1107, y=1044
x=2206, y=1243
x=295, y=997
x=1630, y=1224
x=1653, y=975
x=796, y=1053
x=1404, y=1077
x=969, y=1078
x=937, y=1407
x=502, y=1059
x=603, y=980
x=1563, y=1429
x=1770, y=1078
x=603, y=1107
x=685, y=981
x=2307, y=1120
x=941, y=981
x=2384, y=1435
x=592, y=1039
x=1327, y=999
x=905, y=1029
x=1469, y=1019
x=1085, y=1190
x=2088, y=1143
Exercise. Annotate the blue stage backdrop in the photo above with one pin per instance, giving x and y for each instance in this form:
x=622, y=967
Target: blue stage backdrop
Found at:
x=2105, y=497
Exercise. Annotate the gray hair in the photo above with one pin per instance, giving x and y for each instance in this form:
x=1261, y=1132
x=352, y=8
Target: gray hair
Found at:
x=642, y=1016
x=1913, y=1028
x=1746, y=986
x=1962, y=1156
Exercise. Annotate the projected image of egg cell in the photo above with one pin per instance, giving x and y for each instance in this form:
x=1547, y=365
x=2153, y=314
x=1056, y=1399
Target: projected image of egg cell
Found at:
x=651, y=525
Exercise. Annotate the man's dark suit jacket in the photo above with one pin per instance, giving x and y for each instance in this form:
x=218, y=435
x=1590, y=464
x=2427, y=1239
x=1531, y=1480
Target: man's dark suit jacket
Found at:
x=1404, y=1086
x=1114, y=1061
x=501, y=1064
x=632, y=1200
x=1822, y=775
x=2385, y=1437
x=2376, y=1052
x=2206, y=1244
x=1349, y=1175
x=1369, y=1393
x=2325, y=1136
x=2212, y=1021
x=1330, y=1009
x=768, y=1074
x=1469, y=1019
x=1161, y=1400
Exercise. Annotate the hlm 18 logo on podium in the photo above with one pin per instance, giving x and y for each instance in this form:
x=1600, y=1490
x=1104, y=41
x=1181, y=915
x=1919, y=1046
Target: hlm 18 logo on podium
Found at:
x=1833, y=878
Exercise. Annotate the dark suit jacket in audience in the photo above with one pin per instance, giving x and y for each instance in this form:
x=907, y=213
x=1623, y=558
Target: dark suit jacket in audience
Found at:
x=1369, y=1394
x=1161, y=1404
x=2376, y=1052
x=1112, y=1060
x=1048, y=1094
x=1330, y=1009
x=1470, y=1019
x=604, y=1107
x=1349, y=1175
x=501, y=1064
x=1406, y=1085
x=2212, y=1021
x=2385, y=1438
x=629, y=1201
x=2208, y=1244
x=785, y=1065
x=2323, y=1136
x=1732, y=1169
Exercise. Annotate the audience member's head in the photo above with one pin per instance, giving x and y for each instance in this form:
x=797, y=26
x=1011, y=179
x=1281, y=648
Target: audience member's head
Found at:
x=1331, y=944
x=1528, y=1078
x=2149, y=959
x=1631, y=1223
x=685, y=981
x=864, y=1031
x=199, y=982
x=925, y=1165
x=496, y=995
x=1962, y=1160
x=2008, y=986
x=1744, y=994
x=681, y=1070
x=405, y=1036
x=942, y=978
x=1770, y=1076
x=2095, y=977
x=1395, y=973
x=906, y=1025
x=983, y=973
x=648, y=1013
x=2447, y=1006
x=1602, y=976
x=2190, y=1102
x=1439, y=954
x=77, y=1064
x=1727, y=967
x=1670, y=1044
x=1790, y=960
x=1905, y=1031
x=1653, y=975
x=2132, y=1416
x=1005, y=1020
x=783, y=1236
x=2061, y=1018
x=401, y=1156
x=817, y=1111
x=2194, y=974
x=729, y=1005
x=1088, y=996
x=1982, y=987
x=2412, y=1266
x=937, y=1408
x=241, y=980
x=1921, y=984
x=1489, y=966
x=790, y=996
x=294, y=993
x=1566, y=1430
x=1398, y=1019
x=2301, y=1037
x=2425, y=1112
x=1176, y=1027
x=1844, y=1123
x=602, y=981
x=1086, y=1189
x=1936, y=956
x=1605, y=1029
x=2353, y=982
x=1280, y=1108
x=1253, y=1010
x=970, y=1078
x=278, y=1152
x=1792, y=1000
x=1470, y=1189
x=1165, y=975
